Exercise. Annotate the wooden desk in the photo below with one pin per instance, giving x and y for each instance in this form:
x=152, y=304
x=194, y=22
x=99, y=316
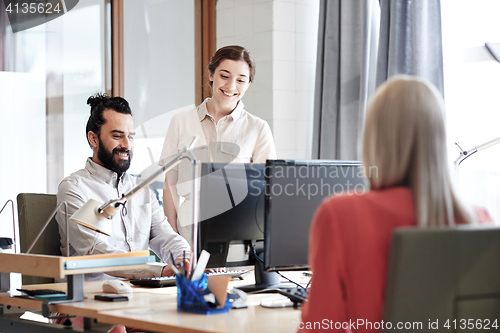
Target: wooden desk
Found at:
x=164, y=317
x=155, y=309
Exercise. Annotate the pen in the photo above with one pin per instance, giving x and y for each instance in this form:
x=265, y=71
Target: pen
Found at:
x=190, y=271
x=174, y=266
x=182, y=270
x=184, y=263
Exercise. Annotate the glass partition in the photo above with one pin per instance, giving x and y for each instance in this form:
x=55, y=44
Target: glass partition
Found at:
x=159, y=71
x=46, y=75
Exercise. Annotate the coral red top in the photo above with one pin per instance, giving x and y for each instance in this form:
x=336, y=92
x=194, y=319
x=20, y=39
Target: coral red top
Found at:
x=349, y=252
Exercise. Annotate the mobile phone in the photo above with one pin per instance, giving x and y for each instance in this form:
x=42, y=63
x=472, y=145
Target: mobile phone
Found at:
x=111, y=298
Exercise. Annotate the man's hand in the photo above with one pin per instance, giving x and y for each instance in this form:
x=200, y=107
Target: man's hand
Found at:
x=169, y=271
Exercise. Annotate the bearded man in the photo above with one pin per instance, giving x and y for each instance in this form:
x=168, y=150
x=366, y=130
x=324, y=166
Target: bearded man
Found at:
x=141, y=224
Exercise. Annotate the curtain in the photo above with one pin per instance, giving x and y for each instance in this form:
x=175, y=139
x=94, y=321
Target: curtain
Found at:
x=410, y=40
x=360, y=45
x=345, y=75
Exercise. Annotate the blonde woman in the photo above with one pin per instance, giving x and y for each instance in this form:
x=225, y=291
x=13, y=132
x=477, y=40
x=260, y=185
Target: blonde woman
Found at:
x=404, y=148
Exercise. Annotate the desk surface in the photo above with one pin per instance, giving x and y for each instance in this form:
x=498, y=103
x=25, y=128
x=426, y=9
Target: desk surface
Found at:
x=155, y=309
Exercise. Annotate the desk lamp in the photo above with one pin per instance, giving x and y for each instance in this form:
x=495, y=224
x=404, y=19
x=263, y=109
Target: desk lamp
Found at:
x=97, y=216
x=494, y=49
x=466, y=153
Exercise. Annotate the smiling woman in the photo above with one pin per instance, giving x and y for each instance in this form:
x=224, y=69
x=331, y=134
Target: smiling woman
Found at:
x=230, y=72
x=228, y=133
x=229, y=82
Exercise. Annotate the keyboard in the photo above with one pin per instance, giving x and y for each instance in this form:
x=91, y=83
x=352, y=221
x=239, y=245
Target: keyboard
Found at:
x=168, y=281
x=37, y=292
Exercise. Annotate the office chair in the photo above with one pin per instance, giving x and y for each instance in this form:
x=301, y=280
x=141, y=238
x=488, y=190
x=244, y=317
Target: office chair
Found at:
x=445, y=275
x=33, y=211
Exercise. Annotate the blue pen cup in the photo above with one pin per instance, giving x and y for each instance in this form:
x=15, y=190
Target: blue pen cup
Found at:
x=190, y=296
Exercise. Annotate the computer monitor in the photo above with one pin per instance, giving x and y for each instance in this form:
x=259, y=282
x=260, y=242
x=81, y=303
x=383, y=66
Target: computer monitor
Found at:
x=231, y=212
x=294, y=190
x=238, y=202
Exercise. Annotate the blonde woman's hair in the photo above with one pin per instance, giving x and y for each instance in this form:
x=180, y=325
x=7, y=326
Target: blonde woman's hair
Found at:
x=405, y=140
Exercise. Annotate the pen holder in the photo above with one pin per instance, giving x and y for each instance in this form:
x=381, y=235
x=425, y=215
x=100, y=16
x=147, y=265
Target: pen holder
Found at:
x=190, y=296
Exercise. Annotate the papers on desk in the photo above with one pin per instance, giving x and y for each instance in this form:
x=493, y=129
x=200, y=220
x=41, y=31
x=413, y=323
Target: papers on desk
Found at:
x=59, y=267
x=202, y=264
x=107, y=262
x=217, y=284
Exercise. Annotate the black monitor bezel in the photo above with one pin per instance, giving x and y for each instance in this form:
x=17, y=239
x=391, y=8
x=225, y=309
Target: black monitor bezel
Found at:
x=207, y=168
x=268, y=203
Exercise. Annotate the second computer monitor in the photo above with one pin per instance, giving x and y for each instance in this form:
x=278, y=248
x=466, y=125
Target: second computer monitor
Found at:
x=294, y=190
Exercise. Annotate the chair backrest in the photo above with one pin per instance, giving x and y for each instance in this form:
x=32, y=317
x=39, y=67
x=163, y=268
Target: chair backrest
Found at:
x=33, y=211
x=444, y=275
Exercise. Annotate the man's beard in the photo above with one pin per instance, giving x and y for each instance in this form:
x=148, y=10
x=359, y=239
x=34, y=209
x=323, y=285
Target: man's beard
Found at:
x=108, y=161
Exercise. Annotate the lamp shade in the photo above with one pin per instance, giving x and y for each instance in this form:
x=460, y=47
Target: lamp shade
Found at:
x=89, y=217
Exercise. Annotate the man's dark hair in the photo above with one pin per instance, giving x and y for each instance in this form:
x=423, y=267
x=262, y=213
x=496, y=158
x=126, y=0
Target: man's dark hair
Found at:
x=100, y=102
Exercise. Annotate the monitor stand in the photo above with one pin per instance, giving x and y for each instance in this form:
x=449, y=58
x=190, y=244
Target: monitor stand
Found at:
x=264, y=281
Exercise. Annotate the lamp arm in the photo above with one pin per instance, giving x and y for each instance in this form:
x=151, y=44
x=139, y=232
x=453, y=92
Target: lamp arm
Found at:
x=167, y=167
x=466, y=153
x=47, y=223
x=92, y=213
x=109, y=209
x=488, y=144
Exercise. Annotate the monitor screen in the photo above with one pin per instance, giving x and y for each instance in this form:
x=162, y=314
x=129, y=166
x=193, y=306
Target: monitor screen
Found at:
x=231, y=212
x=294, y=190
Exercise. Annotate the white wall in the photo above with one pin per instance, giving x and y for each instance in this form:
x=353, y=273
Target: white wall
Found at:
x=282, y=37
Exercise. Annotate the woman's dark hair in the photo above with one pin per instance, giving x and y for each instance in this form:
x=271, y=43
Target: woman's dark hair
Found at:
x=100, y=102
x=232, y=52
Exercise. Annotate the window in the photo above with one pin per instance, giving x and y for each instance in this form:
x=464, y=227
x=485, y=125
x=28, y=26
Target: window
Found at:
x=46, y=75
x=472, y=83
x=159, y=71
